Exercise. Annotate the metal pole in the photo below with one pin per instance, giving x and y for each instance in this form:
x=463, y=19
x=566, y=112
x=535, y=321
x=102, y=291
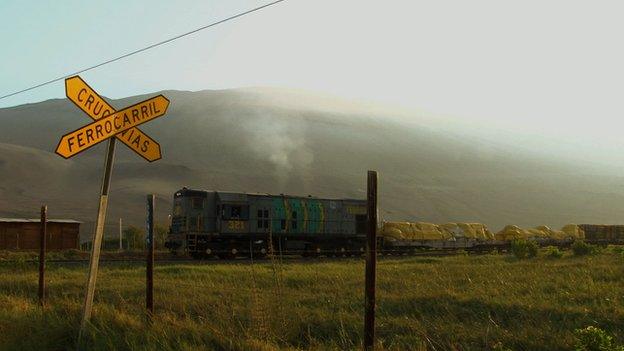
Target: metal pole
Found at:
x=149, y=293
x=371, y=262
x=42, y=252
x=96, y=242
x=120, y=236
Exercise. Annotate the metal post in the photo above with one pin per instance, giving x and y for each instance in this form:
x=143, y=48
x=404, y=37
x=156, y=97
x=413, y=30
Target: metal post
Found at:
x=96, y=242
x=42, y=252
x=371, y=262
x=120, y=236
x=149, y=293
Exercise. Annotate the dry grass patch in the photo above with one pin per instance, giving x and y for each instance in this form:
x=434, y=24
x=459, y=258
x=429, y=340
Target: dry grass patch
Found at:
x=461, y=303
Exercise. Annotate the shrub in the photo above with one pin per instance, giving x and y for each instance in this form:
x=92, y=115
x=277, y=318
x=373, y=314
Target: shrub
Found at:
x=616, y=249
x=524, y=248
x=553, y=252
x=580, y=248
x=533, y=248
x=135, y=237
x=595, y=339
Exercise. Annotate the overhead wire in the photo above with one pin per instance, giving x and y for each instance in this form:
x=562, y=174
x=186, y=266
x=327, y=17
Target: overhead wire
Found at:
x=142, y=49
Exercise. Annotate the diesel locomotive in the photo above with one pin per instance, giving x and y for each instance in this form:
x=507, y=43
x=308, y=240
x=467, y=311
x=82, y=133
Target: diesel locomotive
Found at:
x=230, y=224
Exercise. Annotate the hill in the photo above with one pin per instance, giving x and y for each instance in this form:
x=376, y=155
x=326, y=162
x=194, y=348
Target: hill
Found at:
x=278, y=141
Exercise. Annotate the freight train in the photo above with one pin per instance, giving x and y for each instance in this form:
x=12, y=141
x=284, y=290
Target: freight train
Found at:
x=231, y=224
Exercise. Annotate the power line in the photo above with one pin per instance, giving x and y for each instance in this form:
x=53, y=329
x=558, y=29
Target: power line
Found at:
x=142, y=49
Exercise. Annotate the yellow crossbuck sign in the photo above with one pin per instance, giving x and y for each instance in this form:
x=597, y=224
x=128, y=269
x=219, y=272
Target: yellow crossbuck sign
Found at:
x=110, y=123
x=83, y=96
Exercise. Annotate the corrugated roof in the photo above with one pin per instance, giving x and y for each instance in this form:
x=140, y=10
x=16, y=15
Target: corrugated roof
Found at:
x=240, y=196
x=36, y=220
x=232, y=197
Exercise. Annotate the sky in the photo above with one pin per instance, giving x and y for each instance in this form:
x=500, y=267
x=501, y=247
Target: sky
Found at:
x=548, y=68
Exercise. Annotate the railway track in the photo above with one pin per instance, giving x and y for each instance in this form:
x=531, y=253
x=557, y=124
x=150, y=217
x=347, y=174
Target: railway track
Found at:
x=285, y=257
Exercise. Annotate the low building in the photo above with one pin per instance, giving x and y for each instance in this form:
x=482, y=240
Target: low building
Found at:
x=24, y=234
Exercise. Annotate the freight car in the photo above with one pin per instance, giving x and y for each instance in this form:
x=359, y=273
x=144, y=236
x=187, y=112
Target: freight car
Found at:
x=603, y=234
x=407, y=237
x=230, y=224
x=403, y=237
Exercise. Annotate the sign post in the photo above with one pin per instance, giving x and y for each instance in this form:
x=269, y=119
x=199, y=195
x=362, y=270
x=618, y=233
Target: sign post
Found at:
x=371, y=262
x=108, y=124
x=42, y=252
x=96, y=242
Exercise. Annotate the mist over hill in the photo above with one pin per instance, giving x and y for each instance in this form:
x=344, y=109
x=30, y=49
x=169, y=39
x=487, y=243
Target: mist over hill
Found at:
x=295, y=142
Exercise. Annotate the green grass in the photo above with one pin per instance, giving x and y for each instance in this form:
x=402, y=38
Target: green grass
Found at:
x=461, y=303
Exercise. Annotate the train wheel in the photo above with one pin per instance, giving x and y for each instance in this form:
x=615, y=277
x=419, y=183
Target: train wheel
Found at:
x=316, y=251
x=261, y=253
x=231, y=254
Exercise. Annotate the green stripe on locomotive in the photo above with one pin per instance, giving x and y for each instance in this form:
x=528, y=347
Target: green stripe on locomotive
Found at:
x=279, y=214
x=312, y=211
x=295, y=216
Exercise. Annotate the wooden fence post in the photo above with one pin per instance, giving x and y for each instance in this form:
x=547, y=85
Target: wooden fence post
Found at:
x=42, y=252
x=371, y=262
x=149, y=293
x=120, y=236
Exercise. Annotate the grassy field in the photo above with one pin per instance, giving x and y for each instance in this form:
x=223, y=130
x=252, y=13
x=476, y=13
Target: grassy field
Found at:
x=460, y=302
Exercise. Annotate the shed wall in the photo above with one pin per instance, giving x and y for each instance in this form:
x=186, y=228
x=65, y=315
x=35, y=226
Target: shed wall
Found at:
x=25, y=236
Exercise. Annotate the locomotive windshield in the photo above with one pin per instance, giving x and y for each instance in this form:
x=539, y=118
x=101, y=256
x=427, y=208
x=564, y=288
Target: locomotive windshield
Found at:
x=231, y=211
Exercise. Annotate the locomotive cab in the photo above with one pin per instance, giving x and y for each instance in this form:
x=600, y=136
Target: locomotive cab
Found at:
x=233, y=213
x=193, y=214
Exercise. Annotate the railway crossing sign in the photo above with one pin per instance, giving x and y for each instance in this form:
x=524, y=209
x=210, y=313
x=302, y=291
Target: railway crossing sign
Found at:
x=108, y=122
x=85, y=98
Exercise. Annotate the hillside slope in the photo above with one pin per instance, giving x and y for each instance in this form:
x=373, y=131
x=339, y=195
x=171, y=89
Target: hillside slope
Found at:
x=267, y=140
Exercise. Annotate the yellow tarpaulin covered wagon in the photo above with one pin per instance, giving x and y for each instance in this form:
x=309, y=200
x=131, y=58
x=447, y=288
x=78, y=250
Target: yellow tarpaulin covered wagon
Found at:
x=513, y=232
x=413, y=231
x=431, y=231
